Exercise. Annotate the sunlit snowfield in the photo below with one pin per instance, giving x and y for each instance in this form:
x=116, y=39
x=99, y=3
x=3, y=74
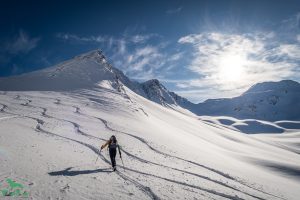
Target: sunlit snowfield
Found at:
x=50, y=141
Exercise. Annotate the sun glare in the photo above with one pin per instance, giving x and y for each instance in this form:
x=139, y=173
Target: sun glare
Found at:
x=231, y=68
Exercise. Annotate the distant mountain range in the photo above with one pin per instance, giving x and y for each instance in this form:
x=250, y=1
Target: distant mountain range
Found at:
x=267, y=101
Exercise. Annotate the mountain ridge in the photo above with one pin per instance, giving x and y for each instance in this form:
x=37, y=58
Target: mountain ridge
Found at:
x=269, y=101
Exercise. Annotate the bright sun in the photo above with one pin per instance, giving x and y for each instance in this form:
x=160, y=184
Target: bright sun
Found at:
x=231, y=68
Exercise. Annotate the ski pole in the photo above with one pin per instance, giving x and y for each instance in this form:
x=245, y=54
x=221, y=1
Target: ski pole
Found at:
x=97, y=157
x=123, y=163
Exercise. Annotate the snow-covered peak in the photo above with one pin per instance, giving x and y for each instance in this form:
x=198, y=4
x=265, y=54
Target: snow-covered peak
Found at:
x=274, y=86
x=153, y=83
x=91, y=54
x=156, y=92
x=83, y=71
x=96, y=55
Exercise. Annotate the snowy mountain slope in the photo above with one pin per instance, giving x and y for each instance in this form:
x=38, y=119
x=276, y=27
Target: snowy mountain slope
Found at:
x=269, y=101
x=84, y=71
x=89, y=70
x=50, y=140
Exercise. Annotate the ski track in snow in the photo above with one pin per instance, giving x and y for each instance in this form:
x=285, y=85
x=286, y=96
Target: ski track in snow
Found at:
x=3, y=107
x=145, y=189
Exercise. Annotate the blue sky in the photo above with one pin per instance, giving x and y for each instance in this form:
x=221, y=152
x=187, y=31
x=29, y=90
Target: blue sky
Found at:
x=199, y=49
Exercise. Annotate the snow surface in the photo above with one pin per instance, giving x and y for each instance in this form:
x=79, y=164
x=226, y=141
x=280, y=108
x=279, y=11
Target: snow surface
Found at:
x=50, y=143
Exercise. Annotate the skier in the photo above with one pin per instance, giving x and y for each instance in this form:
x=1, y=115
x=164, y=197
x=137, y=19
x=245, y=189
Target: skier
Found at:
x=112, y=147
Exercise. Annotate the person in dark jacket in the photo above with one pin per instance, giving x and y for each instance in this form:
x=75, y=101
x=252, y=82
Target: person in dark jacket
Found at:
x=112, y=144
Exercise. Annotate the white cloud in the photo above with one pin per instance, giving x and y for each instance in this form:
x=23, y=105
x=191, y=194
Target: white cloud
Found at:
x=135, y=39
x=142, y=38
x=139, y=38
x=23, y=43
x=147, y=56
x=193, y=38
x=175, y=56
x=290, y=50
x=230, y=63
x=122, y=46
x=67, y=36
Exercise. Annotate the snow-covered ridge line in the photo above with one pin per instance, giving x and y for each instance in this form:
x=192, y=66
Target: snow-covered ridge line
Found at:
x=270, y=101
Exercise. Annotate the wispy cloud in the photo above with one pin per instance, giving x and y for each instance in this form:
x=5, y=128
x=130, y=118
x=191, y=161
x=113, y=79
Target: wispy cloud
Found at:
x=22, y=43
x=74, y=37
x=145, y=56
x=140, y=61
x=174, y=10
x=260, y=56
x=292, y=23
x=176, y=56
x=16, y=46
x=139, y=38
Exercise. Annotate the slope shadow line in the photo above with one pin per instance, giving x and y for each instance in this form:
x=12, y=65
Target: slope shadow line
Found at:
x=190, y=173
x=68, y=172
x=187, y=185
